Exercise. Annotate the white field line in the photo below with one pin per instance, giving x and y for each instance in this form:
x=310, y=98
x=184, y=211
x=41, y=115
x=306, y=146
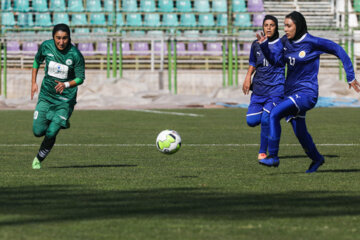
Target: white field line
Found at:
x=187, y=145
x=168, y=113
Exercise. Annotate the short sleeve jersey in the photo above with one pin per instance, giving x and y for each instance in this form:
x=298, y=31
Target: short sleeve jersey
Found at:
x=62, y=66
x=268, y=79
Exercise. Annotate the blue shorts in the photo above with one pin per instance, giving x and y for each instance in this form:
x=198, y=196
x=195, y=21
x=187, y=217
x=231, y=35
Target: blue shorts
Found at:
x=258, y=104
x=303, y=103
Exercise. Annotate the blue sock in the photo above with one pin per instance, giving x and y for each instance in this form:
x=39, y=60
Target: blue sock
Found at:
x=264, y=132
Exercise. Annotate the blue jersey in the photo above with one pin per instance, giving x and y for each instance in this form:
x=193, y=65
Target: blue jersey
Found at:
x=269, y=79
x=303, y=60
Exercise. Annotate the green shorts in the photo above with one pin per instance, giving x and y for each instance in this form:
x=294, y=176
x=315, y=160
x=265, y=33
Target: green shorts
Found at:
x=46, y=112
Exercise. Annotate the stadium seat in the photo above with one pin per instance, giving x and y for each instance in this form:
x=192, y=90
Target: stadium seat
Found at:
x=187, y=20
x=42, y=20
x=21, y=5
x=119, y=20
x=206, y=20
x=25, y=20
x=219, y=6
x=141, y=48
x=147, y=6
x=158, y=47
x=183, y=6
x=13, y=47
x=214, y=48
x=129, y=6
x=93, y=6
x=170, y=20
x=258, y=19
x=134, y=20
x=153, y=20
x=97, y=19
x=109, y=5
x=242, y=20
x=202, y=6
x=75, y=6
x=222, y=20
x=6, y=5
x=87, y=49
x=191, y=34
x=196, y=48
x=246, y=49
x=180, y=49
x=101, y=48
x=166, y=6
x=8, y=19
x=61, y=18
x=30, y=48
x=40, y=6
x=78, y=19
x=255, y=6
x=57, y=6
x=126, y=50
x=239, y=6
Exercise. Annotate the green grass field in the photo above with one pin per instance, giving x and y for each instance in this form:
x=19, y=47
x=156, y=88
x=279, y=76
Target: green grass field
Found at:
x=105, y=179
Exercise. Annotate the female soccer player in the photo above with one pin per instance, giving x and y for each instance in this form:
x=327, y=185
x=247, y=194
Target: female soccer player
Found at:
x=267, y=83
x=64, y=71
x=301, y=52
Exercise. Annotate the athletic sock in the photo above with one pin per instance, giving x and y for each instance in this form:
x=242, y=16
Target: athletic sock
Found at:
x=45, y=148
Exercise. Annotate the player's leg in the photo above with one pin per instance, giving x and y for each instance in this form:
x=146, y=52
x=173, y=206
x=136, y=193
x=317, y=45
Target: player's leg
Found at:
x=286, y=107
x=306, y=141
x=264, y=134
x=49, y=141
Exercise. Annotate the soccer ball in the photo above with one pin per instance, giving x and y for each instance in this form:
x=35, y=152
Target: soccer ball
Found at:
x=168, y=141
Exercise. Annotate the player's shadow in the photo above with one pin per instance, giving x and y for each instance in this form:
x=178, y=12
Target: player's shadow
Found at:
x=97, y=166
x=304, y=156
x=42, y=204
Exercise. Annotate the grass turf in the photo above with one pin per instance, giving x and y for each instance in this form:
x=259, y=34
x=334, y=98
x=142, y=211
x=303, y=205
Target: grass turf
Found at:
x=110, y=191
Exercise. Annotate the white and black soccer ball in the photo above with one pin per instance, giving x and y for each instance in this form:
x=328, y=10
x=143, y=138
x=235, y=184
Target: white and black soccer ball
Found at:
x=168, y=141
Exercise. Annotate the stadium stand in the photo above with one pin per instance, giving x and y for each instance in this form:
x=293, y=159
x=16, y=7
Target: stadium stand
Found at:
x=75, y=6
x=57, y=6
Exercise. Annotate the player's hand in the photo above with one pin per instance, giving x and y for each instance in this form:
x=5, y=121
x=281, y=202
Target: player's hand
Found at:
x=246, y=86
x=59, y=87
x=261, y=37
x=355, y=85
x=34, y=89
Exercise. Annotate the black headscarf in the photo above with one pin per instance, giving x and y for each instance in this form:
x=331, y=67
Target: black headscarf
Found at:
x=300, y=22
x=276, y=33
x=62, y=27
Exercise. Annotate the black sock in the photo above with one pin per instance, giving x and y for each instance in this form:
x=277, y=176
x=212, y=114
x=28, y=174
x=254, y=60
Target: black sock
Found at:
x=45, y=148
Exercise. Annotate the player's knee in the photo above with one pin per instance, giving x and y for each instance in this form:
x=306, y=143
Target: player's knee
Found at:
x=253, y=121
x=38, y=132
x=52, y=132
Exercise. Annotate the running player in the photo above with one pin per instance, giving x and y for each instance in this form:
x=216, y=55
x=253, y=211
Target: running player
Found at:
x=267, y=84
x=64, y=71
x=301, y=52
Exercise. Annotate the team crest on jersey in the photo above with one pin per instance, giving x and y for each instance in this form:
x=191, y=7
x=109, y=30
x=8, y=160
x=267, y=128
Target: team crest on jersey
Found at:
x=302, y=54
x=68, y=62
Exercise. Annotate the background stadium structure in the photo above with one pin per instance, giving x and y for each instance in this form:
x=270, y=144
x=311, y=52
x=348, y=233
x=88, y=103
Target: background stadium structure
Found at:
x=168, y=47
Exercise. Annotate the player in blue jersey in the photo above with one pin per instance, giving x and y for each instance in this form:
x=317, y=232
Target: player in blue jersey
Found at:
x=267, y=84
x=301, y=52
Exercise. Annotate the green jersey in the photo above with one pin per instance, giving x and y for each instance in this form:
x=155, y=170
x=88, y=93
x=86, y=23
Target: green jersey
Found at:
x=62, y=66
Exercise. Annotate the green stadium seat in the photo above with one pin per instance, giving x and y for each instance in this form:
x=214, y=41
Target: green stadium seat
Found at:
x=21, y=5
x=183, y=6
x=202, y=6
x=97, y=19
x=166, y=6
x=25, y=20
x=61, y=18
x=134, y=20
x=147, y=6
x=239, y=6
x=152, y=20
x=242, y=20
x=219, y=6
x=40, y=6
x=119, y=20
x=206, y=20
x=80, y=20
x=129, y=6
x=222, y=20
x=93, y=6
x=57, y=6
x=6, y=5
x=75, y=6
x=188, y=20
x=8, y=19
x=170, y=20
x=109, y=5
x=42, y=20
x=357, y=5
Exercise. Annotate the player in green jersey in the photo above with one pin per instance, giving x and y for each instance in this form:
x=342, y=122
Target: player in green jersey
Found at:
x=64, y=71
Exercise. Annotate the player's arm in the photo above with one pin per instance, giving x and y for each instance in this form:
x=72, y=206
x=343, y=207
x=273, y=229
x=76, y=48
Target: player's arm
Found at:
x=251, y=70
x=333, y=48
x=79, y=76
x=275, y=58
x=39, y=58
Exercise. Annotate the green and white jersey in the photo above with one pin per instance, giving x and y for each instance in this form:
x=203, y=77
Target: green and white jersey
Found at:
x=62, y=66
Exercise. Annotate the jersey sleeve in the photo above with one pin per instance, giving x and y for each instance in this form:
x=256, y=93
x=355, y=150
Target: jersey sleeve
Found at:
x=39, y=57
x=252, y=59
x=276, y=56
x=328, y=46
x=79, y=67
